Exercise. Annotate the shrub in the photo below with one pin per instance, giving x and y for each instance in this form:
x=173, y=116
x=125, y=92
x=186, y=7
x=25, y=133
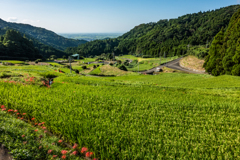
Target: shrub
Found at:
x=134, y=62
x=119, y=62
x=236, y=70
x=4, y=75
x=81, y=57
x=94, y=66
x=84, y=67
x=48, y=75
x=38, y=60
x=126, y=63
x=122, y=67
x=77, y=71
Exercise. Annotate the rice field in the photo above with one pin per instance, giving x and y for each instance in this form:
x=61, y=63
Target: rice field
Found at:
x=13, y=61
x=165, y=116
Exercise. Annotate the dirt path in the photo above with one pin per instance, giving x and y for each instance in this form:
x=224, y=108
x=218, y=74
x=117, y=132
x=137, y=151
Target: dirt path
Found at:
x=4, y=153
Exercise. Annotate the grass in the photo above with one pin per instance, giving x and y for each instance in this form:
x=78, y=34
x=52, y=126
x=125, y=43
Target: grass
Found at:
x=13, y=61
x=107, y=70
x=96, y=71
x=85, y=60
x=149, y=64
x=24, y=143
x=192, y=62
x=54, y=64
x=124, y=57
x=165, y=116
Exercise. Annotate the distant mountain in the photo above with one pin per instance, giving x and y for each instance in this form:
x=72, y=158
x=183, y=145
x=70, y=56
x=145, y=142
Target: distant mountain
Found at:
x=170, y=36
x=42, y=35
x=224, y=54
x=90, y=36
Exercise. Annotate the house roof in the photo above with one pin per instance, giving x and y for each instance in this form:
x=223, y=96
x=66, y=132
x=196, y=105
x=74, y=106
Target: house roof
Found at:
x=75, y=55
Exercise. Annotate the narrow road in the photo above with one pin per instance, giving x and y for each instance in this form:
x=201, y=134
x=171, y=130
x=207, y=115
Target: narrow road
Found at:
x=173, y=65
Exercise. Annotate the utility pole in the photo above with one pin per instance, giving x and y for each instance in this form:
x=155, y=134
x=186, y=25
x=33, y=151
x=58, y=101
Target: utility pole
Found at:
x=188, y=48
x=138, y=65
x=70, y=60
x=113, y=56
x=160, y=57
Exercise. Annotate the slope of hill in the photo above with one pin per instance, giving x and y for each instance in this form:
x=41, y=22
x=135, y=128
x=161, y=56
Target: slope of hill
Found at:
x=224, y=54
x=13, y=45
x=170, y=36
x=42, y=35
x=45, y=50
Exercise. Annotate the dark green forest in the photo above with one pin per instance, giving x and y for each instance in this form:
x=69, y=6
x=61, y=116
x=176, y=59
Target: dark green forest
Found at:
x=45, y=50
x=42, y=35
x=224, y=54
x=18, y=47
x=170, y=36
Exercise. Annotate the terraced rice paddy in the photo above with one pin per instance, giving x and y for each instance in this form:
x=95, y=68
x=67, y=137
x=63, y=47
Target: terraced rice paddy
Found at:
x=166, y=116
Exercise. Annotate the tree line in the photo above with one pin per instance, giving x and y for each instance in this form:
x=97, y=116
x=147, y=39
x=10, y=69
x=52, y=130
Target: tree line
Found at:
x=224, y=54
x=165, y=36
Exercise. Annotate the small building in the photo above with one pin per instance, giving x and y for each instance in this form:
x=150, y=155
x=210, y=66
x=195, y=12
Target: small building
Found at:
x=75, y=56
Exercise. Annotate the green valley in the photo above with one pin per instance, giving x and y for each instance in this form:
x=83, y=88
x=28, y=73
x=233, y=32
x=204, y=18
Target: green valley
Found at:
x=164, y=90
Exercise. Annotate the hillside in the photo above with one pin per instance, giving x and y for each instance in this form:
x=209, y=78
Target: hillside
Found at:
x=14, y=46
x=224, y=54
x=45, y=50
x=42, y=35
x=170, y=36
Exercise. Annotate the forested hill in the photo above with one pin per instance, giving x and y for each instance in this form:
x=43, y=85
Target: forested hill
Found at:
x=170, y=36
x=45, y=50
x=224, y=54
x=42, y=35
x=15, y=46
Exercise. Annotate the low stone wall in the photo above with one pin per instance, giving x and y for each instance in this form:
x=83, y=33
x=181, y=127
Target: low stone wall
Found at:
x=191, y=69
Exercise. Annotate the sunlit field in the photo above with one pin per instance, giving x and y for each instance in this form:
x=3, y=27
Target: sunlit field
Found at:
x=165, y=116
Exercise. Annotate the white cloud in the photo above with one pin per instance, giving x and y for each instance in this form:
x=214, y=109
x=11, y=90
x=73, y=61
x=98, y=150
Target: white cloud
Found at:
x=12, y=19
x=29, y=21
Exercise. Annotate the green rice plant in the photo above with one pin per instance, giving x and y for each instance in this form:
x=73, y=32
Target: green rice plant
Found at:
x=165, y=116
x=133, y=117
x=27, y=142
x=13, y=61
x=55, y=64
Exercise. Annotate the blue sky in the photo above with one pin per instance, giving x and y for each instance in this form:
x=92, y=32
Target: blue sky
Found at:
x=100, y=16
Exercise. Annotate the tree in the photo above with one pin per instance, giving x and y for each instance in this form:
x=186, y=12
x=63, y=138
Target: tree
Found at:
x=212, y=63
x=224, y=54
x=52, y=57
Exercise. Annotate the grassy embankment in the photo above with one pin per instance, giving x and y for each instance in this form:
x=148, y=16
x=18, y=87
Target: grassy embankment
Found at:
x=29, y=141
x=170, y=115
x=144, y=63
x=13, y=61
x=192, y=63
